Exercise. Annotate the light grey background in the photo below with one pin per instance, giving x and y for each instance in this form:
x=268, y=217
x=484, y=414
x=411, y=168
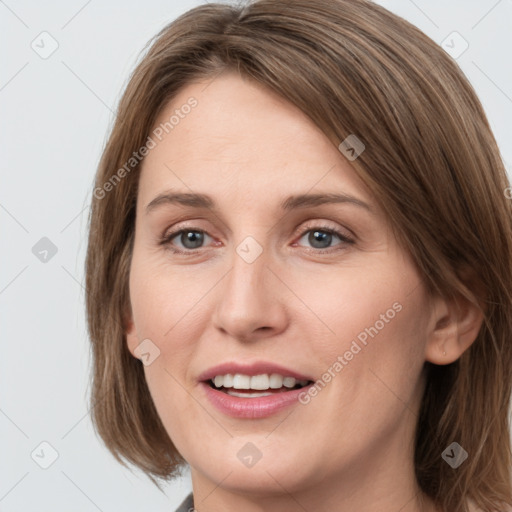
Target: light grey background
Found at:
x=55, y=115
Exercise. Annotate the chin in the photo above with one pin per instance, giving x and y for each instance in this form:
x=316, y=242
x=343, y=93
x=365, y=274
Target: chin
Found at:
x=271, y=474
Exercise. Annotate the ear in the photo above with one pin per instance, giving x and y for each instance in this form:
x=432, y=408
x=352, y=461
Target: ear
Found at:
x=455, y=324
x=132, y=340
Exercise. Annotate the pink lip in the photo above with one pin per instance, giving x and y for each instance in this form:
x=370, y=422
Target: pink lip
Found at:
x=257, y=368
x=251, y=408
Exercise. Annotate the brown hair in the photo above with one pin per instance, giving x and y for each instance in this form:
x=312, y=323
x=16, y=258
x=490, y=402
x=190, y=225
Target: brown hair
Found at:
x=431, y=161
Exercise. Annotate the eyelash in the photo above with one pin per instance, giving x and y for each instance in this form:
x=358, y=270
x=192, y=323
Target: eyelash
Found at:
x=168, y=237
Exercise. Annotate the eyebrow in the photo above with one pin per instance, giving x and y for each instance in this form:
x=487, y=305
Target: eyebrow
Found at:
x=197, y=200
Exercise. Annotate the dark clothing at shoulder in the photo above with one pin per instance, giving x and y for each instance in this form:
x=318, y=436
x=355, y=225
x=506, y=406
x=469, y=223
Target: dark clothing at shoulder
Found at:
x=187, y=505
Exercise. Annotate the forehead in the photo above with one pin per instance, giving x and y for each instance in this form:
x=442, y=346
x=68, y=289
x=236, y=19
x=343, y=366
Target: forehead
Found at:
x=240, y=135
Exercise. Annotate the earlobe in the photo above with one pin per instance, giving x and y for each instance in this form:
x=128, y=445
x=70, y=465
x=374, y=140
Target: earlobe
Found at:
x=456, y=324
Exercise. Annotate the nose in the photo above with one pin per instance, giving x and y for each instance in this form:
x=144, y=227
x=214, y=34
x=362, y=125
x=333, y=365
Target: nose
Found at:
x=251, y=302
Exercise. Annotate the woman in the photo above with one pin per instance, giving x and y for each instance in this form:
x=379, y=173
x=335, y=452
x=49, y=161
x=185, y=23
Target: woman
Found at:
x=299, y=267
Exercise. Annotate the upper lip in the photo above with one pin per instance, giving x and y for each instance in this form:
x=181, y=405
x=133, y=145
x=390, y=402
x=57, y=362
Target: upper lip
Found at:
x=256, y=368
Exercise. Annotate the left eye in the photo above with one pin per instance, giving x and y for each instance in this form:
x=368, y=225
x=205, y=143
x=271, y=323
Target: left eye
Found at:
x=321, y=238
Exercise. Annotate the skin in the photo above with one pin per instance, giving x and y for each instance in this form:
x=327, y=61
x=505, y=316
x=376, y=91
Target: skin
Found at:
x=351, y=446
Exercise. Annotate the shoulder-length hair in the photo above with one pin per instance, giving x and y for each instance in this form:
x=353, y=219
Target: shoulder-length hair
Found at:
x=431, y=162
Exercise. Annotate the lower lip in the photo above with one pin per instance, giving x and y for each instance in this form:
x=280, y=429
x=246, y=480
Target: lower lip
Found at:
x=252, y=408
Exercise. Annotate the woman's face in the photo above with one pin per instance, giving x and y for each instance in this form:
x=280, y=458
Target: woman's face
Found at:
x=270, y=272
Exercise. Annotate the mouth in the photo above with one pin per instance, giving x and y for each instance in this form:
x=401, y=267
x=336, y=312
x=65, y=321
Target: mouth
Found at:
x=253, y=390
x=252, y=397
x=257, y=386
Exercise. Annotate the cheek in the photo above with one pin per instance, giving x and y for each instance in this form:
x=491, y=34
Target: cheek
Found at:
x=364, y=303
x=166, y=301
x=178, y=412
x=168, y=309
x=371, y=367
x=373, y=326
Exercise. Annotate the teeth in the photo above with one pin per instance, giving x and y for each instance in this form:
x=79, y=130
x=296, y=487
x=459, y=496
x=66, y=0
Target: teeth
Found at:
x=257, y=382
x=248, y=395
x=289, y=382
x=241, y=381
x=276, y=381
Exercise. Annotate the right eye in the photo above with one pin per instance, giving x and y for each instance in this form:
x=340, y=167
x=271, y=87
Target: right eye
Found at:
x=190, y=239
